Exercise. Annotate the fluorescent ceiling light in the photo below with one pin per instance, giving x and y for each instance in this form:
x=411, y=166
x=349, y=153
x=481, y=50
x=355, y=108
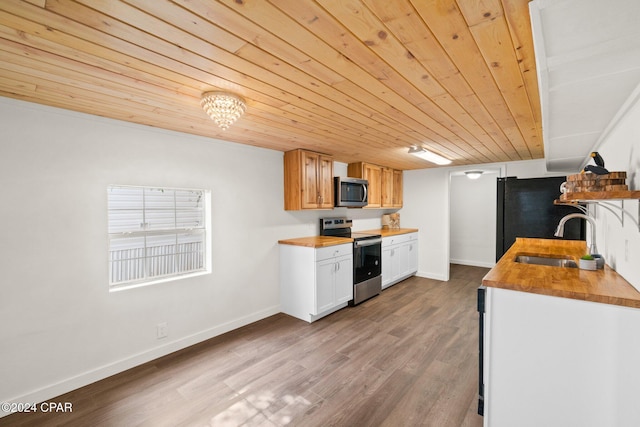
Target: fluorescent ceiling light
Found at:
x=428, y=155
x=473, y=174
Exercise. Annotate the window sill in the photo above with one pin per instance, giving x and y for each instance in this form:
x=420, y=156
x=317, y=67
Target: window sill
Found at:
x=128, y=286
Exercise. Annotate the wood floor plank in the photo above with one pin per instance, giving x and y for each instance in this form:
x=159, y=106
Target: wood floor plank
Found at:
x=407, y=357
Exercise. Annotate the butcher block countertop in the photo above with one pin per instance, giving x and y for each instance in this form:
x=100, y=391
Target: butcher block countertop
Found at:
x=316, y=241
x=323, y=241
x=386, y=232
x=603, y=285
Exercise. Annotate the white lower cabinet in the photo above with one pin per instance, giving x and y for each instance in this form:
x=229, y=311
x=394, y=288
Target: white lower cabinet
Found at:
x=399, y=258
x=334, y=283
x=315, y=282
x=551, y=361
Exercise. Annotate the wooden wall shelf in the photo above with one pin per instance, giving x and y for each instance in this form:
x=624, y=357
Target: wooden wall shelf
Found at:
x=599, y=195
x=603, y=199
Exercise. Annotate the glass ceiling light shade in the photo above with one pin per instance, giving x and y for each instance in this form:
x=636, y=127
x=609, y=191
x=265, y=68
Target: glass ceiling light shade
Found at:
x=473, y=174
x=428, y=155
x=224, y=108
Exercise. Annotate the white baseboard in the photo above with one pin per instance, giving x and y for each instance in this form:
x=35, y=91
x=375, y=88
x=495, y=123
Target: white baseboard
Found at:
x=53, y=390
x=434, y=276
x=473, y=263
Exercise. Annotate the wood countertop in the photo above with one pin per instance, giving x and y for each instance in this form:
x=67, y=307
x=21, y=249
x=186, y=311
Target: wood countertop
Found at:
x=323, y=241
x=316, y=241
x=603, y=285
x=386, y=232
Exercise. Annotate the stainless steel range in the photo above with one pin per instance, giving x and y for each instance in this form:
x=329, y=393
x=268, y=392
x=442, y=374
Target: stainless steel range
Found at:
x=367, y=257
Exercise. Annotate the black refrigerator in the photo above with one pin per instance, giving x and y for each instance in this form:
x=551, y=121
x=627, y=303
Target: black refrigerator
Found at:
x=526, y=209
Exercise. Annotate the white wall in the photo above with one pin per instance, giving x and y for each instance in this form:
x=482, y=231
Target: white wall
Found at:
x=427, y=206
x=620, y=244
x=473, y=207
x=61, y=327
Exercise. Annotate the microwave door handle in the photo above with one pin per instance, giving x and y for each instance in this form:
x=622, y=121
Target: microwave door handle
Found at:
x=364, y=198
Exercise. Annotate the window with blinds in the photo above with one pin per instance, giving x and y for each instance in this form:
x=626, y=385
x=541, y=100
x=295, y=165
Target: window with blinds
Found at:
x=155, y=233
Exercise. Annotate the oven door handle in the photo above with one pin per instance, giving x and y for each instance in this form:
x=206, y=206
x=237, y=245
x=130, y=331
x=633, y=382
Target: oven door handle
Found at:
x=370, y=242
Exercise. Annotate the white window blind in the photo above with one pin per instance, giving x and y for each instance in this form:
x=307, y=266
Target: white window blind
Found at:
x=155, y=233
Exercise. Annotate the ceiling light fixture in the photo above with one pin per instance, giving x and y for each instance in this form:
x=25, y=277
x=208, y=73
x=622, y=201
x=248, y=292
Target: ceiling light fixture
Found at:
x=224, y=108
x=473, y=174
x=428, y=155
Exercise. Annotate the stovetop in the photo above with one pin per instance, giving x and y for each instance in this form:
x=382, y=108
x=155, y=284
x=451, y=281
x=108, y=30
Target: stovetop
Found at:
x=341, y=227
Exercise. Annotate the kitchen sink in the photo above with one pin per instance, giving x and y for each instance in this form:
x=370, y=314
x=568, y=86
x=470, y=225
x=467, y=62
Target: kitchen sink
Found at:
x=542, y=260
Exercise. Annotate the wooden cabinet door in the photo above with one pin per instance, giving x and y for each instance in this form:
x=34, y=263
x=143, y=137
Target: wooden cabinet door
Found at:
x=373, y=174
x=325, y=182
x=387, y=188
x=308, y=180
x=397, y=198
x=310, y=171
x=385, y=184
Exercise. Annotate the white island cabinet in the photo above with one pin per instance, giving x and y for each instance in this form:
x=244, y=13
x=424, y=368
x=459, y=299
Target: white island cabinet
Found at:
x=552, y=361
x=315, y=282
x=399, y=258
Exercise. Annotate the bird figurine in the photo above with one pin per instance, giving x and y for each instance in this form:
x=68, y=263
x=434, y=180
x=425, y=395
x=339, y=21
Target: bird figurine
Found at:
x=598, y=168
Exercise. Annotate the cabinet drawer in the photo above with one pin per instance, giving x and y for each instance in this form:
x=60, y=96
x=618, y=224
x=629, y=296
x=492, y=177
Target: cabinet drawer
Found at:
x=395, y=240
x=334, y=251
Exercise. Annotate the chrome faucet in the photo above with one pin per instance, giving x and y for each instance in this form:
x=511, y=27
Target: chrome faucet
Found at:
x=560, y=230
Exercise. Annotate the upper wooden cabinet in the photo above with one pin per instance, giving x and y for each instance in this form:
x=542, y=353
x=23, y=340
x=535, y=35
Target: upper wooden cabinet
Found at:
x=308, y=180
x=385, y=184
x=396, y=199
x=387, y=187
x=391, y=188
x=373, y=174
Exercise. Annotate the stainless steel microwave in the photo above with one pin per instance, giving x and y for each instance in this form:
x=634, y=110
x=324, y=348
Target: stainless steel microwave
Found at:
x=350, y=192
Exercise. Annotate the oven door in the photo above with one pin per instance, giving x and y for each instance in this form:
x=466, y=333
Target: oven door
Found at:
x=367, y=256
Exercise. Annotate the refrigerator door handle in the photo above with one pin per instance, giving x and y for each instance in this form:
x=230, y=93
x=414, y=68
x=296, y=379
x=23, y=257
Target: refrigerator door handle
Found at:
x=481, y=312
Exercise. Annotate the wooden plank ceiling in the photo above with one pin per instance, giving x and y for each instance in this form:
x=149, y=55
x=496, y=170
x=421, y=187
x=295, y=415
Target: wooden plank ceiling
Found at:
x=362, y=80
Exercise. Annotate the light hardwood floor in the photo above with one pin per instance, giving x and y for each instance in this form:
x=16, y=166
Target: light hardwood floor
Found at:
x=408, y=357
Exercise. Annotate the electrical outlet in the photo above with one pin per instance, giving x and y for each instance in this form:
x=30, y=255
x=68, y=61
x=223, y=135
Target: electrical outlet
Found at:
x=162, y=330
